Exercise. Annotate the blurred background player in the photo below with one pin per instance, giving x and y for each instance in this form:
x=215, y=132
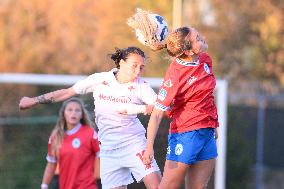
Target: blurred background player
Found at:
x=73, y=145
x=54, y=183
x=187, y=93
x=118, y=96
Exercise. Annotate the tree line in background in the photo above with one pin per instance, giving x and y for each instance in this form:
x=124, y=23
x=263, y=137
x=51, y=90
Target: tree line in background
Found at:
x=246, y=42
x=246, y=37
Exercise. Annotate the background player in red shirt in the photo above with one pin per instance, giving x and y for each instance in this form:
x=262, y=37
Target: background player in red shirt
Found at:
x=187, y=95
x=73, y=145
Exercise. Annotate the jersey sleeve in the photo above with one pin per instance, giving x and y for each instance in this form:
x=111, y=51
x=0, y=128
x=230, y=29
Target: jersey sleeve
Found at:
x=168, y=89
x=87, y=85
x=51, y=157
x=95, y=143
x=205, y=58
x=147, y=94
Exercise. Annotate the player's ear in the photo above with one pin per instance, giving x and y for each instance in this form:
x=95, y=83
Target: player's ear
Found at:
x=121, y=62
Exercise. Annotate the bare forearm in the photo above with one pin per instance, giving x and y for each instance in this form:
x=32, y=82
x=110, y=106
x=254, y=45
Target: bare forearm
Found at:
x=55, y=96
x=48, y=173
x=153, y=126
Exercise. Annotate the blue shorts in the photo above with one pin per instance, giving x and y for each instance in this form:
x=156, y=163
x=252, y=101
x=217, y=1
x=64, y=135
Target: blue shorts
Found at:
x=191, y=147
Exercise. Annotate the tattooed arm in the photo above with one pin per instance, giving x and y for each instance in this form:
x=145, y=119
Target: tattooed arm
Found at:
x=55, y=96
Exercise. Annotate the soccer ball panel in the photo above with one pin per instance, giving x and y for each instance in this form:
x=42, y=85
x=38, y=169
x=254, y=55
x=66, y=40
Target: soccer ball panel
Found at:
x=162, y=30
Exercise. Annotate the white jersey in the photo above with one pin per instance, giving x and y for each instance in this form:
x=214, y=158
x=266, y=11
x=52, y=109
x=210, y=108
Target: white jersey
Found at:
x=116, y=130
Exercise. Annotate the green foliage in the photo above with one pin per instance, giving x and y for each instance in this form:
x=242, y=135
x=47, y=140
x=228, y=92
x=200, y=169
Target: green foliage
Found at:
x=240, y=146
x=25, y=148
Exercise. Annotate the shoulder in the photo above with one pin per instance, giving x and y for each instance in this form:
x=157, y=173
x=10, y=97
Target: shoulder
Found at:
x=87, y=128
x=52, y=137
x=90, y=131
x=174, y=68
x=205, y=58
x=102, y=74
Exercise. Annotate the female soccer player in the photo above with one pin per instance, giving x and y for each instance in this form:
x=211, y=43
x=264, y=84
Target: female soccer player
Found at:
x=73, y=145
x=118, y=96
x=187, y=93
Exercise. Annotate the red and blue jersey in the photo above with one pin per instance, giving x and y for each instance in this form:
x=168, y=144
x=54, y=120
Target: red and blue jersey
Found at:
x=187, y=95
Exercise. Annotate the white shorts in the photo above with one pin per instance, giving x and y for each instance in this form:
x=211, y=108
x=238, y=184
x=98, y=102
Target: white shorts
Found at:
x=116, y=166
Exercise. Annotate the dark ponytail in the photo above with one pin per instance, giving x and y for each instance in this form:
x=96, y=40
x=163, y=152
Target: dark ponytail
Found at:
x=122, y=54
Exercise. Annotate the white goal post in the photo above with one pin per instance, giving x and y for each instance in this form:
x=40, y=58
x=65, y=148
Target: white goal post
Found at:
x=221, y=97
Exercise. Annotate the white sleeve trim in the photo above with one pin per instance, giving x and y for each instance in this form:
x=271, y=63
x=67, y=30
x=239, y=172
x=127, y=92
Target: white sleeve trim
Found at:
x=161, y=107
x=98, y=154
x=51, y=159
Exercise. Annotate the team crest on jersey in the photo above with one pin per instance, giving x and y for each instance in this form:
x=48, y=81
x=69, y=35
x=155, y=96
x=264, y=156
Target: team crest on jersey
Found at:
x=206, y=68
x=191, y=79
x=76, y=143
x=168, y=83
x=162, y=94
x=178, y=149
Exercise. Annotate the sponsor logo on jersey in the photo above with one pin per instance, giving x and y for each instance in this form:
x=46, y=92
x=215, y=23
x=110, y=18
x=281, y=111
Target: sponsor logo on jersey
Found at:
x=76, y=143
x=162, y=94
x=206, y=68
x=169, y=150
x=178, y=149
x=192, y=79
x=168, y=83
x=120, y=99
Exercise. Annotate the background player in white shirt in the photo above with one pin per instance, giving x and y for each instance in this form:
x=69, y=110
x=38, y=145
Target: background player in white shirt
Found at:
x=118, y=96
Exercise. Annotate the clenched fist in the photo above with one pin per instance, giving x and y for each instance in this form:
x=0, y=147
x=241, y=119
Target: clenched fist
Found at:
x=27, y=102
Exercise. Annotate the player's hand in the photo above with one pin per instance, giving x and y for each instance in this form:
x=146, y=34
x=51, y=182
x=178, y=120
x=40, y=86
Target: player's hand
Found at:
x=27, y=102
x=149, y=109
x=148, y=156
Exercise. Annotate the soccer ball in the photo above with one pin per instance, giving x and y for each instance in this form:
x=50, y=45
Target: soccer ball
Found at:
x=160, y=35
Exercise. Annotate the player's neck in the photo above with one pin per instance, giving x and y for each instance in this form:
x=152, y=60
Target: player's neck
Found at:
x=191, y=58
x=122, y=78
x=70, y=126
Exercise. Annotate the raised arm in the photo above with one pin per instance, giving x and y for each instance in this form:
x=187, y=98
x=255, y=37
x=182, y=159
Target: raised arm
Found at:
x=55, y=96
